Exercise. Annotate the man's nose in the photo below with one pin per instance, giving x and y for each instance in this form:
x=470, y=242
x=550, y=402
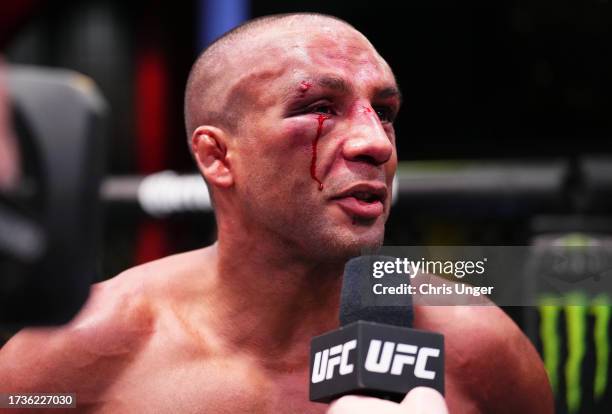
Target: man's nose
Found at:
x=367, y=142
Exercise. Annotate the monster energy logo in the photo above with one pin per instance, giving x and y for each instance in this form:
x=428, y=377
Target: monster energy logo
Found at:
x=577, y=308
x=576, y=324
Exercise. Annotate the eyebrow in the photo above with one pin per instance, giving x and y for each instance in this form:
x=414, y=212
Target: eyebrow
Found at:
x=334, y=82
x=338, y=84
x=389, y=92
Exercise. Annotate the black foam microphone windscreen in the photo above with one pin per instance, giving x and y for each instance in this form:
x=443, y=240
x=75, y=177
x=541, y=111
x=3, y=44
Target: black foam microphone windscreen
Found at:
x=357, y=301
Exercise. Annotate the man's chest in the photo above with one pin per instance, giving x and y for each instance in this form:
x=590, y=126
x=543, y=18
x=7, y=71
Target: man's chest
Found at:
x=207, y=385
x=173, y=374
x=222, y=385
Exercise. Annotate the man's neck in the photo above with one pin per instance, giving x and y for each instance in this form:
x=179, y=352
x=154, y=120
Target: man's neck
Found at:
x=270, y=303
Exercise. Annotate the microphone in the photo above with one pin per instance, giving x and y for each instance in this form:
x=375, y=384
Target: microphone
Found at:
x=374, y=352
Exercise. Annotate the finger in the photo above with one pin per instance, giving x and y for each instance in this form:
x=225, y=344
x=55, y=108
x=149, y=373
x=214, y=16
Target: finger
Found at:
x=424, y=400
x=354, y=404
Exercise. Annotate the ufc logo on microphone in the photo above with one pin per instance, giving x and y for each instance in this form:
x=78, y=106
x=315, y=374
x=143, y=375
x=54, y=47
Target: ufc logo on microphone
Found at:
x=371, y=358
x=393, y=357
x=326, y=361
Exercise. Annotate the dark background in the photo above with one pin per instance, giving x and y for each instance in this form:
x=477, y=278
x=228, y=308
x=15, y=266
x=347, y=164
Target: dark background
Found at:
x=527, y=80
x=482, y=80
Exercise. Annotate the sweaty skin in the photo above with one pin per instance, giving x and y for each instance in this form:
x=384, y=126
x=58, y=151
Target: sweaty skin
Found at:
x=226, y=329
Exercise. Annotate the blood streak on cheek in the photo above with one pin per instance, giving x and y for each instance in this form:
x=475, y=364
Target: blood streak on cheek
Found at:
x=313, y=162
x=367, y=109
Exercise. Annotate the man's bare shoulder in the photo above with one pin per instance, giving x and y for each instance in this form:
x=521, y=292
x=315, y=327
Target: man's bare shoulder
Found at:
x=116, y=323
x=489, y=358
x=170, y=273
x=113, y=325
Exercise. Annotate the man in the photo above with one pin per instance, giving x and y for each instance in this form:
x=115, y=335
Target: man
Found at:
x=290, y=120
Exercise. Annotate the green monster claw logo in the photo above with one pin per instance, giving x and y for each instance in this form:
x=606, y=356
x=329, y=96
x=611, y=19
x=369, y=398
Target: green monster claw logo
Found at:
x=601, y=311
x=576, y=323
x=577, y=309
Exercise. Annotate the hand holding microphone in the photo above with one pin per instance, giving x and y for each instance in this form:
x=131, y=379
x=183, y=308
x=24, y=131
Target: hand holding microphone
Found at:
x=420, y=400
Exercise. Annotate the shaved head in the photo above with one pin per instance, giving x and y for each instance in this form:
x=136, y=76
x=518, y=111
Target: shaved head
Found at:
x=286, y=115
x=208, y=99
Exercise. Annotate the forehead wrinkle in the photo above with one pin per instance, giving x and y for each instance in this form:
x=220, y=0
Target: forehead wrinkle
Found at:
x=355, y=53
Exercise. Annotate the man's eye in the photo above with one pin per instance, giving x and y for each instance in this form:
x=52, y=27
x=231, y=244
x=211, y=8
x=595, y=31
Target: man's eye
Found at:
x=322, y=109
x=384, y=114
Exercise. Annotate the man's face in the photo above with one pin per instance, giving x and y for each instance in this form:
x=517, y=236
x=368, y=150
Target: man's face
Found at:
x=315, y=156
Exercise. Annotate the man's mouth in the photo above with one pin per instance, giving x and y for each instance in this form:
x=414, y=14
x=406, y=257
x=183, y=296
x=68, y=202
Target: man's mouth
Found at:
x=365, y=201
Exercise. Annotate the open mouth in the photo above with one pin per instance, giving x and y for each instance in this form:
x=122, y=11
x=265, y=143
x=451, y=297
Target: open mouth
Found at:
x=367, y=197
x=363, y=201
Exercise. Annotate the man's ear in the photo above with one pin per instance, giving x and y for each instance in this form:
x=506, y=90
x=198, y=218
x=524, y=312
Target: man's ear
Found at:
x=209, y=148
